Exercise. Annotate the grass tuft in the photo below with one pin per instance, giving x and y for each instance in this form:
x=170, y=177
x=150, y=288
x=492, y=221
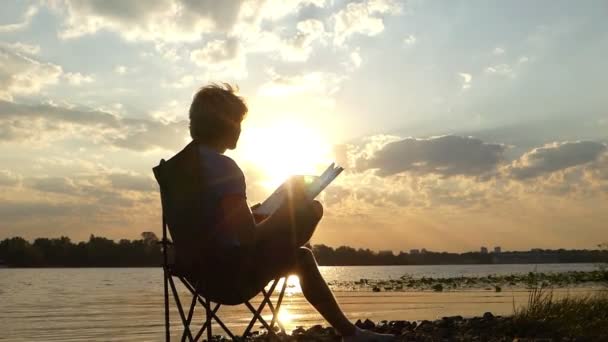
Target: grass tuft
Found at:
x=573, y=317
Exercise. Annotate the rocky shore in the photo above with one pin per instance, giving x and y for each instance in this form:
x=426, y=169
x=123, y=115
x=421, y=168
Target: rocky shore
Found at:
x=487, y=328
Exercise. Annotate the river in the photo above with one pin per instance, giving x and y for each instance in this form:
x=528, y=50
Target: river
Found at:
x=126, y=304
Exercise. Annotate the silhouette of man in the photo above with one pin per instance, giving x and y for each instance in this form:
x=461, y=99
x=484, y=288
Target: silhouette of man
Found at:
x=253, y=253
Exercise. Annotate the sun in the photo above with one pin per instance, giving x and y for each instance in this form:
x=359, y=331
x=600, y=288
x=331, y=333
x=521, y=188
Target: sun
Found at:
x=282, y=149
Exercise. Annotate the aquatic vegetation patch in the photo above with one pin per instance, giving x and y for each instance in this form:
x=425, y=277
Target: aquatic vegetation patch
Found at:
x=495, y=283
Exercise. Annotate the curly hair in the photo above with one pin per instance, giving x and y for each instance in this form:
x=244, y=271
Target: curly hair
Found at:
x=215, y=113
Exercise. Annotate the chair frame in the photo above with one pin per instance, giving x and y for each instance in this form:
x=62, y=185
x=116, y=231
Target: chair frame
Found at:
x=169, y=274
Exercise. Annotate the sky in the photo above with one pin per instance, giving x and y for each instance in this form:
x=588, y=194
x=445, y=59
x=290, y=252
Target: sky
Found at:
x=460, y=123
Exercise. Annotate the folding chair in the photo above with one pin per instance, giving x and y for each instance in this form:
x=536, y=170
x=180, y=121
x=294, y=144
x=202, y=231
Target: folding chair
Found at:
x=181, y=187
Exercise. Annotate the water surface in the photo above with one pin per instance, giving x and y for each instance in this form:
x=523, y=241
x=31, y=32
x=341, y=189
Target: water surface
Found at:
x=126, y=304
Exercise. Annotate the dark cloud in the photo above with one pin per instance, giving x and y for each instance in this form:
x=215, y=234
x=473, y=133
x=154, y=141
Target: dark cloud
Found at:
x=223, y=13
x=143, y=135
x=132, y=182
x=555, y=157
x=60, y=185
x=13, y=211
x=164, y=20
x=94, y=187
x=446, y=156
x=20, y=122
x=7, y=178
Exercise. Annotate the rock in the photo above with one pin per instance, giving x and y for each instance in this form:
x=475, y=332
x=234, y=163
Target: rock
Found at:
x=298, y=331
x=367, y=325
x=425, y=326
x=398, y=325
x=315, y=330
x=437, y=287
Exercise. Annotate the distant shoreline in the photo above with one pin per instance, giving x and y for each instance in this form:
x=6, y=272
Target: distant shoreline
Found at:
x=146, y=252
x=387, y=265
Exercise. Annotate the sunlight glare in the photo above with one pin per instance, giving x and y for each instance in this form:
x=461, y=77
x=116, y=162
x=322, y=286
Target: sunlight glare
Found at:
x=285, y=316
x=283, y=149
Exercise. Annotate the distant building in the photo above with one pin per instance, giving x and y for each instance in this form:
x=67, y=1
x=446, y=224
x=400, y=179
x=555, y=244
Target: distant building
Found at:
x=497, y=250
x=423, y=251
x=414, y=251
x=483, y=250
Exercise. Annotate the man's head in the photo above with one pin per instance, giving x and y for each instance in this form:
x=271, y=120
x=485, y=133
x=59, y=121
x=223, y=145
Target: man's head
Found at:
x=215, y=116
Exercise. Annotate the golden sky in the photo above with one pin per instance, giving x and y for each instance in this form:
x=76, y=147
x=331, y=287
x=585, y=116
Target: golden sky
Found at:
x=459, y=124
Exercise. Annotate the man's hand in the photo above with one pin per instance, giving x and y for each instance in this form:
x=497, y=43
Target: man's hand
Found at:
x=299, y=204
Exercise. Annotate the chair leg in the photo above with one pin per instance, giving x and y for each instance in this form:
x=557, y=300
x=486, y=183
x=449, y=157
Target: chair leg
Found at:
x=167, y=323
x=190, y=314
x=204, y=326
x=211, y=314
x=259, y=310
x=275, y=318
x=273, y=310
x=209, y=319
x=258, y=316
x=180, y=309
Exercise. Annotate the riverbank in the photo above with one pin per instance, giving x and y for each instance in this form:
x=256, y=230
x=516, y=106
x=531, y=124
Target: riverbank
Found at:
x=545, y=318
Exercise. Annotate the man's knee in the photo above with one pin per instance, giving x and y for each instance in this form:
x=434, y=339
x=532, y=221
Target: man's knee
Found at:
x=305, y=257
x=317, y=209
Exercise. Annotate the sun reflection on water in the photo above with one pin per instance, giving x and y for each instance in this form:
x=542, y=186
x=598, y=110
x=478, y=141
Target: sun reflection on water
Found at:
x=293, y=286
x=285, y=316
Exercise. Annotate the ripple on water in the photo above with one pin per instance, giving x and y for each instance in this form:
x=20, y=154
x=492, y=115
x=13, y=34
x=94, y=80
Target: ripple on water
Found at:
x=119, y=304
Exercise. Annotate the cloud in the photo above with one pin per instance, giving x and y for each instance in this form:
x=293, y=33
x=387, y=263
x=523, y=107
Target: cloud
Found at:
x=184, y=81
x=221, y=56
x=62, y=185
x=216, y=51
x=409, y=40
x=501, y=70
x=46, y=123
x=21, y=75
x=133, y=182
x=22, y=48
x=77, y=78
x=299, y=47
x=25, y=22
x=498, y=51
x=445, y=156
x=316, y=82
x=274, y=10
x=14, y=211
x=555, y=157
x=362, y=18
x=466, y=80
x=8, y=178
x=291, y=47
x=354, y=60
x=120, y=69
x=154, y=20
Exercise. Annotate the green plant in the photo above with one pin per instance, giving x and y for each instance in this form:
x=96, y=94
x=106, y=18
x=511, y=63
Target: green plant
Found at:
x=583, y=316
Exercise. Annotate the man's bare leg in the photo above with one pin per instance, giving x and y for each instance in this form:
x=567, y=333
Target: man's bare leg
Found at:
x=319, y=295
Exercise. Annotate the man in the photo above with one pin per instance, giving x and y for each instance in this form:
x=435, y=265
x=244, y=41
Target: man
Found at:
x=252, y=253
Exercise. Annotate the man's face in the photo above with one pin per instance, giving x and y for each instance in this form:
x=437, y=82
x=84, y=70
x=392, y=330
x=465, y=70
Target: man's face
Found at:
x=232, y=141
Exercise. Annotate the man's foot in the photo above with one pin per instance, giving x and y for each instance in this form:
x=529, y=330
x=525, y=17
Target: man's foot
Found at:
x=361, y=335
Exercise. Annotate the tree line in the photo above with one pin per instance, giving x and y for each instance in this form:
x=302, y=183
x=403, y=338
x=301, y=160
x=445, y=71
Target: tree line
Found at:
x=146, y=252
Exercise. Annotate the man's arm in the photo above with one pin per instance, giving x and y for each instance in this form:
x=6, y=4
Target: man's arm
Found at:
x=241, y=222
x=238, y=219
